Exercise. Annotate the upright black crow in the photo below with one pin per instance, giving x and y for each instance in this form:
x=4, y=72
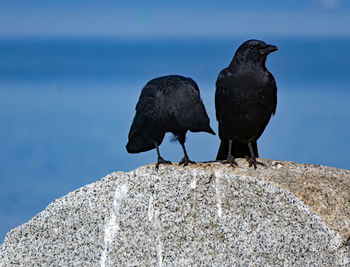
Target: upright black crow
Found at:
x=245, y=99
x=167, y=104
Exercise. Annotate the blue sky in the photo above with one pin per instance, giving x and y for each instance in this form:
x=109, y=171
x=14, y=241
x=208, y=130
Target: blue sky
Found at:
x=174, y=18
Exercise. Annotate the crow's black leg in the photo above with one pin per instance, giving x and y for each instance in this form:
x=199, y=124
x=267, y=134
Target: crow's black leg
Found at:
x=160, y=159
x=252, y=160
x=185, y=160
x=230, y=159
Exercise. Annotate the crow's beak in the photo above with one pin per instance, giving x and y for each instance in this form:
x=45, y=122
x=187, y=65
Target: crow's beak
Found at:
x=269, y=49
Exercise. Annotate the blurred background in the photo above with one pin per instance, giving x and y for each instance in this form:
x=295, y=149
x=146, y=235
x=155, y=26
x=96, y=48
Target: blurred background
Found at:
x=71, y=73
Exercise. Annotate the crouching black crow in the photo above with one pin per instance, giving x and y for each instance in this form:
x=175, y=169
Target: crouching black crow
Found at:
x=167, y=104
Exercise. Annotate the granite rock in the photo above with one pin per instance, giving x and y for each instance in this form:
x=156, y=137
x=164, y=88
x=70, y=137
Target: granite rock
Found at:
x=205, y=214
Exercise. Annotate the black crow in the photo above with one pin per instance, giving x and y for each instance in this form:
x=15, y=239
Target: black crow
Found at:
x=245, y=99
x=167, y=104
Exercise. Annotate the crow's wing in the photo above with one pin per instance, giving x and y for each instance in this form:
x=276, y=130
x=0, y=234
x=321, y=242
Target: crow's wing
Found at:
x=147, y=112
x=272, y=84
x=221, y=92
x=189, y=110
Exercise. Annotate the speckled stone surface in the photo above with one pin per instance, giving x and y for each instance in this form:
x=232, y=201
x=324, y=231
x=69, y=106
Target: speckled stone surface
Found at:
x=201, y=215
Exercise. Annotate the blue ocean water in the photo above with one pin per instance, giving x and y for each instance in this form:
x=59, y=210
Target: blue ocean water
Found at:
x=66, y=106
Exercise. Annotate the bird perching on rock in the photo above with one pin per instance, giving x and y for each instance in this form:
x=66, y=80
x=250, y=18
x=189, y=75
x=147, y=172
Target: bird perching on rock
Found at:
x=167, y=104
x=245, y=99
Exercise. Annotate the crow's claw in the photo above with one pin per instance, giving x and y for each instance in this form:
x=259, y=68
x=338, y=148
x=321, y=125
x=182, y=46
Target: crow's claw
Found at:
x=185, y=160
x=230, y=160
x=254, y=162
x=162, y=161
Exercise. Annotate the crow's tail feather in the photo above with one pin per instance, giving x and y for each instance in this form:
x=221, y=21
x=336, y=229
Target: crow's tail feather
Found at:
x=138, y=143
x=223, y=150
x=238, y=150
